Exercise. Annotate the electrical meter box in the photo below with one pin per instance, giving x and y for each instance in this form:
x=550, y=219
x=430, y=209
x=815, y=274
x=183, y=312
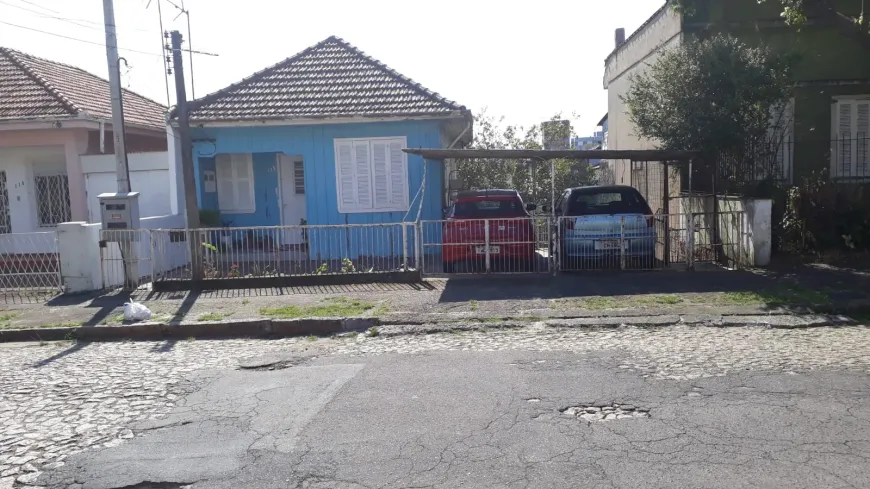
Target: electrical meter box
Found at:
x=119, y=211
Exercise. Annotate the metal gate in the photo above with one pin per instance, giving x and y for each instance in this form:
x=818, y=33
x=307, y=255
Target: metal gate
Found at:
x=476, y=246
x=29, y=265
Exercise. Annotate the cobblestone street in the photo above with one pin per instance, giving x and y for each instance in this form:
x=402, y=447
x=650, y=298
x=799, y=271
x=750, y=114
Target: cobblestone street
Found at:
x=60, y=399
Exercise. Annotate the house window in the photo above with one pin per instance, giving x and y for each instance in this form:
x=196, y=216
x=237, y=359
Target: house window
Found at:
x=52, y=200
x=850, y=145
x=235, y=183
x=299, y=177
x=371, y=175
x=5, y=220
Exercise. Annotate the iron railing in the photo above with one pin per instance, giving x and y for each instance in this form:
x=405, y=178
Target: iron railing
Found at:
x=29, y=264
x=275, y=251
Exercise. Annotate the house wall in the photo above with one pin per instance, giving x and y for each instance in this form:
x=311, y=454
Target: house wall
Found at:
x=315, y=144
x=828, y=64
x=134, y=142
x=149, y=175
x=660, y=33
x=17, y=148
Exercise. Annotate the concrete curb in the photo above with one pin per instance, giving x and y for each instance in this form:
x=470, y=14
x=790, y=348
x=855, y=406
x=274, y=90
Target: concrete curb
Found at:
x=421, y=324
x=258, y=328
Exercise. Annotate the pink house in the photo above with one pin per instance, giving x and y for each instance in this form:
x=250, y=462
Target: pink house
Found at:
x=51, y=115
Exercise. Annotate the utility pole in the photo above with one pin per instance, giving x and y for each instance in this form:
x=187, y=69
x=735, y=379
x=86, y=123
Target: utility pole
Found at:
x=191, y=206
x=122, y=171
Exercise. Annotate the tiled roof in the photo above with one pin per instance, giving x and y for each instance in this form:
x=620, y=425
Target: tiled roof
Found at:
x=32, y=88
x=330, y=79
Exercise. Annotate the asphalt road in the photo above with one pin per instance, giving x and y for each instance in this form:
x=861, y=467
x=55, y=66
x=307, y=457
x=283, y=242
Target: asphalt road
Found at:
x=662, y=408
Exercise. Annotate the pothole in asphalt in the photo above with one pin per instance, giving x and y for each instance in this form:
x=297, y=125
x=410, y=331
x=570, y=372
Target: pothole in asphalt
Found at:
x=274, y=362
x=606, y=412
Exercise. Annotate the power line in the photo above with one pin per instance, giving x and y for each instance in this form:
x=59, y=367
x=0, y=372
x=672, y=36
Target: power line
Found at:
x=70, y=20
x=75, y=38
x=101, y=44
x=39, y=6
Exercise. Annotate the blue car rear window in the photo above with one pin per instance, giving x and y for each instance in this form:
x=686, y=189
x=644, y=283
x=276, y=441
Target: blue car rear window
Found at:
x=607, y=202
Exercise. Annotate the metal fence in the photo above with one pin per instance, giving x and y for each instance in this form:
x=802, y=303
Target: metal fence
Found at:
x=275, y=251
x=486, y=245
x=29, y=265
x=126, y=258
x=540, y=244
x=651, y=242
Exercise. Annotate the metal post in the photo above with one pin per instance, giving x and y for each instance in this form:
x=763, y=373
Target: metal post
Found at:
x=486, y=235
x=622, y=243
x=552, y=258
x=666, y=202
x=717, y=241
x=418, y=246
x=690, y=242
x=122, y=171
x=190, y=202
x=405, y=246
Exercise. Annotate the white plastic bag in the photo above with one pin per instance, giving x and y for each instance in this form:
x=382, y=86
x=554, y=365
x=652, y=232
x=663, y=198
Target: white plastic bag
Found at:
x=133, y=311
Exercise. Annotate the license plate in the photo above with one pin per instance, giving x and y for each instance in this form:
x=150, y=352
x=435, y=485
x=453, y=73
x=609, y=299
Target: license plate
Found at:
x=493, y=250
x=610, y=244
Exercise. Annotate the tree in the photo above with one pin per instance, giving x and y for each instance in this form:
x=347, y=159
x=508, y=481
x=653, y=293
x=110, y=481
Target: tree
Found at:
x=718, y=96
x=799, y=12
x=531, y=178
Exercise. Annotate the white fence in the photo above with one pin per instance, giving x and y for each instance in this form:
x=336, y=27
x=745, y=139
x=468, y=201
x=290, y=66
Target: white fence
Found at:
x=131, y=258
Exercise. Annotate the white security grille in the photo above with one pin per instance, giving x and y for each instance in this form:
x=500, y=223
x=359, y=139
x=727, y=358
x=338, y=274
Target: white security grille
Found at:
x=5, y=220
x=52, y=200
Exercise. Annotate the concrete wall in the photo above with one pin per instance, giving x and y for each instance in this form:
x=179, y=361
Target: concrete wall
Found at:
x=663, y=31
x=85, y=266
x=149, y=175
x=745, y=226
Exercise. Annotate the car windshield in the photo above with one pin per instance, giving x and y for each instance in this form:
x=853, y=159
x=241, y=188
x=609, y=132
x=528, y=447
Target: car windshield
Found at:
x=627, y=201
x=489, y=208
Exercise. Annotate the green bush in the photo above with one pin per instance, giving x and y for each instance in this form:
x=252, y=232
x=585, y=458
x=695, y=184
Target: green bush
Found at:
x=821, y=215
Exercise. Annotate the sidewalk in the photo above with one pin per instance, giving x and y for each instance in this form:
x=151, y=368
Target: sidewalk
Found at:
x=804, y=289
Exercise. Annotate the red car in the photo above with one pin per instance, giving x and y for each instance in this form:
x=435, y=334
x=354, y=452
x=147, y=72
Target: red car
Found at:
x=511, y=232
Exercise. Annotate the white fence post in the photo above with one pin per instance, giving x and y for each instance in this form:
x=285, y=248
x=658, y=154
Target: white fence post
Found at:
x=79, y=257
x=404, y=246
x=486, y=240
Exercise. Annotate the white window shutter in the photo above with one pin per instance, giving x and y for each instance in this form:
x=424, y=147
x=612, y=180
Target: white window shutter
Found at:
x=346, y=175
x=862, y=133
x=362, y=168
x=844, y=138
x=381, y=167
x=226, y=190
x=398, y=175
x=244, y=168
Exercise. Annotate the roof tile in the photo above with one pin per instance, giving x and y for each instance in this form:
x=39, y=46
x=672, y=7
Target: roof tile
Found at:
x=32, y=87
x=330, y=79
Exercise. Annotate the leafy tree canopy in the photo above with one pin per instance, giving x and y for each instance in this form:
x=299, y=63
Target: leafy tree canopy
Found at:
x=530, y=178
x=798, y=12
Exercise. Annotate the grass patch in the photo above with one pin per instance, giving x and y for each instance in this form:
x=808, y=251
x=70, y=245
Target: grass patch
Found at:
x=473, y=304
x=5, y=318
x=214, y=316
x=782, y=296
x=337, y=307
x=246, y=302
x=68, y=324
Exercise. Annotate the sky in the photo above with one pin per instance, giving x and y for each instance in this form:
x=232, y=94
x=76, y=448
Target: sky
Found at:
x=525, y=63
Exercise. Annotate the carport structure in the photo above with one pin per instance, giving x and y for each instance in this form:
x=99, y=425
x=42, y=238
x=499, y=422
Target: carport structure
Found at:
x=659, y=191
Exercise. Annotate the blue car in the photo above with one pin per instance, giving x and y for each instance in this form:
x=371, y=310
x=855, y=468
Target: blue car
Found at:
x=603, y=227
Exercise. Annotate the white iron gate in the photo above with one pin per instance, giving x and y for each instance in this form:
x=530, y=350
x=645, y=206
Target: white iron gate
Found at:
x=29, y=265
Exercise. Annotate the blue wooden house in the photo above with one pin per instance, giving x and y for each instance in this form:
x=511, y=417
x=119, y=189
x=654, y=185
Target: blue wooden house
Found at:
x=318, y=139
